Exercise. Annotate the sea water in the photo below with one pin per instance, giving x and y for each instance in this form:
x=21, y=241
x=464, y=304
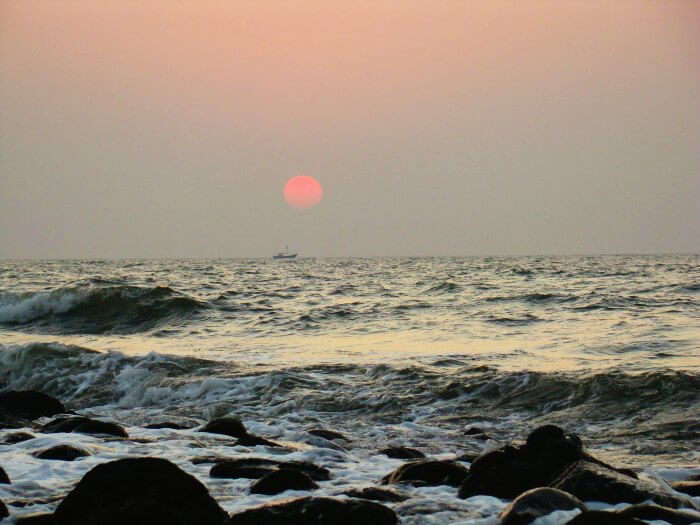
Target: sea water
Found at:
x=387, y=351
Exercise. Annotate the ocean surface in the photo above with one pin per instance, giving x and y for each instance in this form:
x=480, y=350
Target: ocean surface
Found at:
x=388, y=351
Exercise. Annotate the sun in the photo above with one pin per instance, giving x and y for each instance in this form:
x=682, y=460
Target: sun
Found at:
x=302, y=192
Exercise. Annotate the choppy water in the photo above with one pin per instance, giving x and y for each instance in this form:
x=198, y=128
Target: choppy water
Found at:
x=390, y=351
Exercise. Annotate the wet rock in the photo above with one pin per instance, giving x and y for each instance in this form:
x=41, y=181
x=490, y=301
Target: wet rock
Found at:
x=600, y=517
x=259, y=467
x=538, y=502
x=17, y=437
x=37, y=519
x=428, y=473
x=692, y=488
x=139, y=491
x=84, y=425
x=402, y=453
x=592, y=482
x=655, y=512
x=376, y=494
x=467, y=457
x=4, y=478
x=317, y=511
x=166, y=424
x=510, y=471
x=30, y=404
x=4, y=513
x=233, y=427
x=62, y=453
x=280, y=480
x=327, y=434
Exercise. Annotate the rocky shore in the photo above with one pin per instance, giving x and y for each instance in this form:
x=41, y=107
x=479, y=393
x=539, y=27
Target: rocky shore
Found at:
x=549, y=472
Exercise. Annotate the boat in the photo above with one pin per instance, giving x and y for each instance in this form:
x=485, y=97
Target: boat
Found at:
x=285, y=254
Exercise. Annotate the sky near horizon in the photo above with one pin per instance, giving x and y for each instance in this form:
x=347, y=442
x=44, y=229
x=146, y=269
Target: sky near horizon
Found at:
x=169, y=128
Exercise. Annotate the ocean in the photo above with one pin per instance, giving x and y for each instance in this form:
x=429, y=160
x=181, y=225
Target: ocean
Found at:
x=387, y=351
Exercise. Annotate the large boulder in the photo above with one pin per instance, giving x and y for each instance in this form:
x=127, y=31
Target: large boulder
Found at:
x=280, y=480
x=62, y=453
x=139, y=491
x=512, y=470
x=30, y=404
x=254, y=468
x=84, y=425
x=428, y=472
x=592, y=482
x=4, y=478
x=317, y=511
x=538, y=502
x=648, y=512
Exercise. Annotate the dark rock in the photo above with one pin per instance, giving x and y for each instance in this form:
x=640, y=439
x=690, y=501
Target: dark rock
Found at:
x=4, y=513
x=37, y=519
x=258, y=467
x=317, y=511
x=166, y=424
x=510, y=471
x=17, y=437
x=467, y=457
x=8, y=420
x=62, y=453
x=139, y=491
x=228, y=426
x=691, y=488
x=592, y=482
x=84, y=425
x=474, y=431
x=376, y=494
x=402, y=453
x=538, y=502
x=4, y=478
x=281, y=480
x=327, y=434
x=601, y=517
x=30, y=404
x=233, y=427
x=428, y=473
x=655, y=512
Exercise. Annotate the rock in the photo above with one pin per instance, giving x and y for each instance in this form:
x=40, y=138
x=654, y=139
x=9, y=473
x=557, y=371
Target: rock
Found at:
x=592, y=482
x=327, y=434
x=62, y=453
x=233, y=427
x=317, y=511
x=4, y=513
x=655, y=512
x=17, y=437
x=510, y=471
x=228, y=426
x=4, y=478
x=36, y=519
x=166, y=424
x=30, y=404
x=259, y=467
x=538, y=502
x=692, y=488
x=84, y=425
x=601, y=517
x=402, y=453
x=376, y=494
x=467, y=457
x=281, y=480
x=428, y=473
x=139, y=491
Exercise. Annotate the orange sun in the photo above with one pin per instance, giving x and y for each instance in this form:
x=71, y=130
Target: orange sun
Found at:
x=302, y=192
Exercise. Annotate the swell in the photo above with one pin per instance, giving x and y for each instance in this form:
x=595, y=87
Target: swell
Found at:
x=96, y=308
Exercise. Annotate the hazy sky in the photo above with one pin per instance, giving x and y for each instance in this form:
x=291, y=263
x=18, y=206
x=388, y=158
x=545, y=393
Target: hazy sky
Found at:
x=166, y=128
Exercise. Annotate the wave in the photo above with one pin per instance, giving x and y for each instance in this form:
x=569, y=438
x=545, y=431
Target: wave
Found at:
x=453, y=389
x=96, y=308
